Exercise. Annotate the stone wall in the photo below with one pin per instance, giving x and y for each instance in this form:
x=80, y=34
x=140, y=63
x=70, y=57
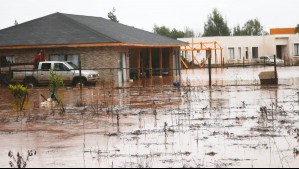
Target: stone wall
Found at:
x=103, y=59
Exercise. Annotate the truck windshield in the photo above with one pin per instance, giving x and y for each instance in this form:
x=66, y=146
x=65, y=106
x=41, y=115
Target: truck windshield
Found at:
x=73, y=66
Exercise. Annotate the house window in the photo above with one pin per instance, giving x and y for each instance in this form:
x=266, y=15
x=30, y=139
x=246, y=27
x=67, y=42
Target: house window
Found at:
x=296, y=49
x=246, y=53
x=65, y=58
x=239, y=53
x=255, y=52
x=231, y=53
x=7, y=60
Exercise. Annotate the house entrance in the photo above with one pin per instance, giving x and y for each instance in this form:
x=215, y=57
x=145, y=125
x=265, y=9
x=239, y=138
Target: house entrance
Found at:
x=281, y=52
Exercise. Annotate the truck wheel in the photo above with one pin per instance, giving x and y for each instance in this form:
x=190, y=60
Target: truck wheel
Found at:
x=79, y=81
x=30, y=82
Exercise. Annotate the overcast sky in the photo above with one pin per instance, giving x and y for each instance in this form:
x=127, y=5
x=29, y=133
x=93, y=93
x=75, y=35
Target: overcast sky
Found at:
x=171, y=13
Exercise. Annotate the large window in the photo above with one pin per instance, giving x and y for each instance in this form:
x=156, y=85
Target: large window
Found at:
x=255, y=52
x=231, y=53
x=69, y=58
x=296, y=49
x=6, y=60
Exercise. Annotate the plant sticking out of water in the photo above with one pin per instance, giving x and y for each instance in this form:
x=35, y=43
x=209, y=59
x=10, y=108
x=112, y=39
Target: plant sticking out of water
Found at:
x=19, y=161
x=108, y=101
x=243, y=104
x=165, y=129
x=155, y=114
x=272, y=106
x=145, y=161
x=117, y=120
x=204, y=109
x=20, y=94
x=56, y=83
x=296, y=152
x=264, y=111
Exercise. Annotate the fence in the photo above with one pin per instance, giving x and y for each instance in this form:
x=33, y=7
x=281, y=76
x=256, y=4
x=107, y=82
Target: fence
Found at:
x=137, y=77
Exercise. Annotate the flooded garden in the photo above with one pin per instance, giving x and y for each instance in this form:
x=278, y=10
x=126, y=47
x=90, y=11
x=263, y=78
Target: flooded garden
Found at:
x=235, y=123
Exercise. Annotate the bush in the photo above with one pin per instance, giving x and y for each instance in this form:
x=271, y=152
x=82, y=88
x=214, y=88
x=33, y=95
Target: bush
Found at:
x=20, y=94
x=55, y=83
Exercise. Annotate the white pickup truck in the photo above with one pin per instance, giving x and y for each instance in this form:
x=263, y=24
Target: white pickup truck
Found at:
x=65, y=70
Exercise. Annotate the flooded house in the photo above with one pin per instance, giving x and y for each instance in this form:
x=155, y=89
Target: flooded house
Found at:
x=117, y=51
x=282, y=42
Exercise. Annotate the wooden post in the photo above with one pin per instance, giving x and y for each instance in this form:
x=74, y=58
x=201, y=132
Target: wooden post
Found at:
x=192, y=54
x=215, y=53
x=0, y=72
x=275, y=70
x=150, y=63
x=161, y=61
x=222, y=59
x=210, y=67
x=170, y=61
x=81, y=84
x=138, y=64
x=10, y=73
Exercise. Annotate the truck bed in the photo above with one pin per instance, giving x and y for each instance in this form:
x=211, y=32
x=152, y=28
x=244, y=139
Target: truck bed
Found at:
x=6, y=69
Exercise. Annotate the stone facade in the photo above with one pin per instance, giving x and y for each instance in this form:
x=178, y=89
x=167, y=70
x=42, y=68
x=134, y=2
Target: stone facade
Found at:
x=103, y=59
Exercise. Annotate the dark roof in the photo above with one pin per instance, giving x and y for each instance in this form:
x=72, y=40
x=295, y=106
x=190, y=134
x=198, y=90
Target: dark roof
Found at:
x=59, y=29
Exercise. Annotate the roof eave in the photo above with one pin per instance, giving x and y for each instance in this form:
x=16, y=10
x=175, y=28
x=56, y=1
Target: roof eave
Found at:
x=89, y=45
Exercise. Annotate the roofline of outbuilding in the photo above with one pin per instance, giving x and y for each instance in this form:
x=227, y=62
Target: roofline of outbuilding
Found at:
x=90, y=45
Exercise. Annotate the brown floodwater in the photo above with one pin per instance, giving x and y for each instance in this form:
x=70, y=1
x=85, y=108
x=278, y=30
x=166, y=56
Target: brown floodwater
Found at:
x=235, y=123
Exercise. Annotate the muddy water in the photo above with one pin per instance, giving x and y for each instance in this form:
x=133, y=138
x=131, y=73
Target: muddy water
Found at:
x=162, y=126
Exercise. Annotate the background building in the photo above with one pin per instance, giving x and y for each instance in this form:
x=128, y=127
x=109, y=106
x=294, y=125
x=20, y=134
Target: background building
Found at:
x=235, y=49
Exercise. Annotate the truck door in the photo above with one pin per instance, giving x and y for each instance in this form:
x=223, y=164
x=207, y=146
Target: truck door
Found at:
x=44, y=73
x=63, y=72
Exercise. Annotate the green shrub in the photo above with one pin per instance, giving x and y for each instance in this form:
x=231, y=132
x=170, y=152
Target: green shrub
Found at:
x=55, y=83
x=20, y=94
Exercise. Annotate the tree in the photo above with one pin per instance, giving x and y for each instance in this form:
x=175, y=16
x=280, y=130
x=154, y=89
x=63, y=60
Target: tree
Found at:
x=253, y=27
x=297, y=29
x=163, y=30
x=238, y=31
x=189, y=33
x=112, y=16
x=216, y=25
x=174, y=33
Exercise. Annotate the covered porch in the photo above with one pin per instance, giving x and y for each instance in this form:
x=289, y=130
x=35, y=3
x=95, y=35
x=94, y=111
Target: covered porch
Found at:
x=148, y=62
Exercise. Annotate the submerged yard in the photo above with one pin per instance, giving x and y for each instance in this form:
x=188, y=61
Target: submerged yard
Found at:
x=235, y=123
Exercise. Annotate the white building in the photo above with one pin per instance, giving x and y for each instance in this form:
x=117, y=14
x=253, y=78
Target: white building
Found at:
x=250, y=48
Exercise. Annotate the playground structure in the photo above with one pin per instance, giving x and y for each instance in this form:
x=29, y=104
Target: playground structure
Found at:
x=202, y=46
